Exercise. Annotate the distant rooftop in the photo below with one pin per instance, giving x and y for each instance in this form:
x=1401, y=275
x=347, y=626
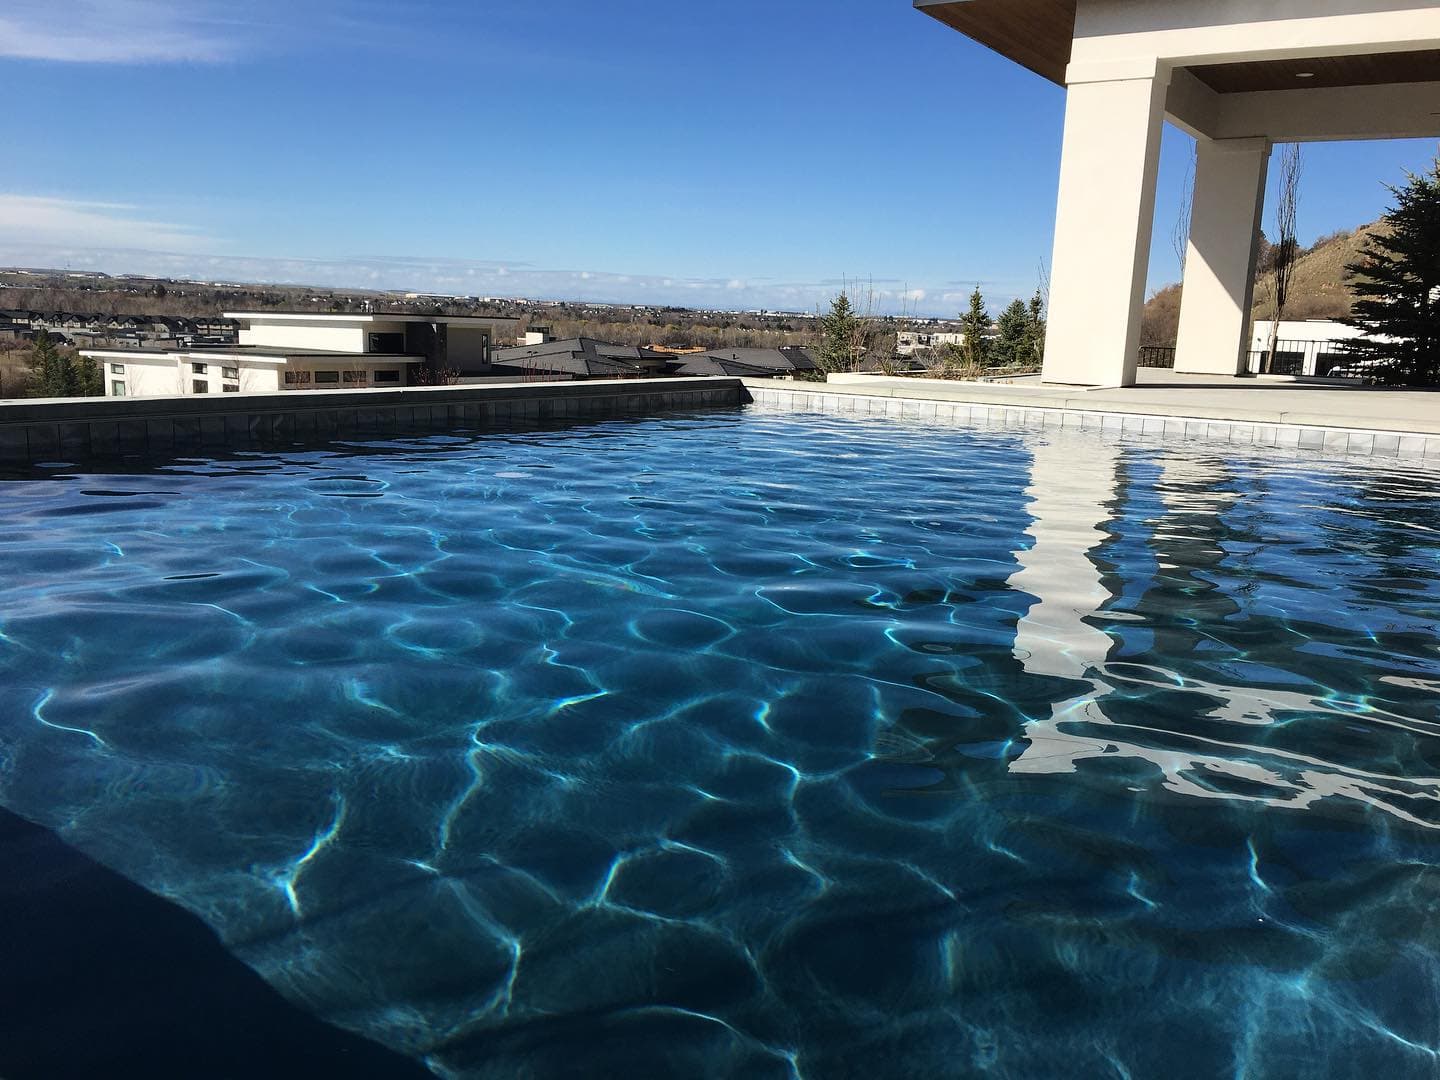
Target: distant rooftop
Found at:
x=578, y=346
x=260, y=352
x=368, y=317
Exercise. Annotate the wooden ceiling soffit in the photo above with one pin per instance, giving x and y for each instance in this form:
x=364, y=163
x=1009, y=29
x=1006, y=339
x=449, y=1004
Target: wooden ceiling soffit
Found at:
x=1376, y=69
x=1036, y=34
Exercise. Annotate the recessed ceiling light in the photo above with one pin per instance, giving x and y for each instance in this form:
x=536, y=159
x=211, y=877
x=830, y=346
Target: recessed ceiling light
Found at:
x=1305, y=75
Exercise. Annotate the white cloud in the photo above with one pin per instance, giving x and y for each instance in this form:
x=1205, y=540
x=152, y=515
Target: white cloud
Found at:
x=32, y=220
x=44, y=231
x=114, y=31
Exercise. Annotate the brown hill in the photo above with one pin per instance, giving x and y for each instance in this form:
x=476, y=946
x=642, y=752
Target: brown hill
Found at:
x=1317, y=290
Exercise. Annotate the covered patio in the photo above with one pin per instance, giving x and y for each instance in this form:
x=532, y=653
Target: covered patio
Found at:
x=1239, y=77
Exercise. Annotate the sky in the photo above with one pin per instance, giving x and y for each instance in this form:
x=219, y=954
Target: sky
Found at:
x=745, y=155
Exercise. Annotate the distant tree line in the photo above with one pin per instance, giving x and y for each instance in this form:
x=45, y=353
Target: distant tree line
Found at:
x=852, y=338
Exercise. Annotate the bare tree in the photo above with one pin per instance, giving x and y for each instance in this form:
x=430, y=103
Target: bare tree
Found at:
x=1287, y=206
x=1180, y=234
x=850, y=336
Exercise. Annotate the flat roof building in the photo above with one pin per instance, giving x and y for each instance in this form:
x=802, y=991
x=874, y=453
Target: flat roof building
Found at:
x=1239, y=76
x=303, y=351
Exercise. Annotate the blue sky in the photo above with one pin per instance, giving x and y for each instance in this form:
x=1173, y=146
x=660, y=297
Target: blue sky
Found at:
x=748, y=154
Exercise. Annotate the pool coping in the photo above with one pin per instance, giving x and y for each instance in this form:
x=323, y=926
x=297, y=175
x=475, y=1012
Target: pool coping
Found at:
x=959, y=407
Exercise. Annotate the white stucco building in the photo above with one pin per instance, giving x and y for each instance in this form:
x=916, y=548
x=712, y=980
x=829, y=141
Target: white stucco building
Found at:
x=293, y=351
x=1239, y=76
x=907, y=342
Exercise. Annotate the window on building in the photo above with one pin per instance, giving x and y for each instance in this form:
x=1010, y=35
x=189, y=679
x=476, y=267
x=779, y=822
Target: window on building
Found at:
x=297, y=378
x=230, y=372
x=327, y=376
x=117, y=387
x=232, y=389
x=386, y=343
x=200, y=386
x=117, y=369
x=391, y=377
x=198, y=369
x=355, y=378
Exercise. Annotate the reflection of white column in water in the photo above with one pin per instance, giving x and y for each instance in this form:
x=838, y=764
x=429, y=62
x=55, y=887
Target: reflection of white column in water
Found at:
x=1069, y=489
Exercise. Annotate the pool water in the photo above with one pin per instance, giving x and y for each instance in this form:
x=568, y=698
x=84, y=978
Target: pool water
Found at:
x=760, y=744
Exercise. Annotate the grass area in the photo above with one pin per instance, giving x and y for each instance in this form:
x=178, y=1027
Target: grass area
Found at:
x=13, y=371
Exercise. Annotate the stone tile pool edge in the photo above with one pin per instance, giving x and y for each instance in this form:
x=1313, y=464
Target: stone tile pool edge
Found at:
x=1367, y=442
x=34, y=431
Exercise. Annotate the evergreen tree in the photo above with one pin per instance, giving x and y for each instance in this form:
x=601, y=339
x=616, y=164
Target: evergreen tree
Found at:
x=1035, y=344
x=49, y=373
x=976, y=324
x=842, y=336
x=1014, y=342
x=56, y=374
x=1396, y=283
x=89, y=376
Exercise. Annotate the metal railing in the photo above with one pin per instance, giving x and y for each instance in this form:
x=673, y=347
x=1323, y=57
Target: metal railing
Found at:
x=1157, y=356
x=1318, y=358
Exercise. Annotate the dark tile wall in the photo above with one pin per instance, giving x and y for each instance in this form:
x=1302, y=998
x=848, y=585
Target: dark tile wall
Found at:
x=67, y=432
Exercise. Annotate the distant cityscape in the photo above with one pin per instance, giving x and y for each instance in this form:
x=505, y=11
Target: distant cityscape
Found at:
x=169, y=336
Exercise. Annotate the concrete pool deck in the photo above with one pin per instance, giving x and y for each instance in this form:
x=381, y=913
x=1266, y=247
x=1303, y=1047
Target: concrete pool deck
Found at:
x=1327, y=417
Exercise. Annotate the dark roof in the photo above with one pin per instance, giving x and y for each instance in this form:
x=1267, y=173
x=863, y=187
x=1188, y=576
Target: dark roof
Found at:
x=719, y=365
x=574, y=363
x=789, y=358
x=580, y=347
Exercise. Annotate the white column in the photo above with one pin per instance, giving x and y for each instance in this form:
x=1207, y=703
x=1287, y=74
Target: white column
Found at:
x=1113, y=116
x=1220, y=262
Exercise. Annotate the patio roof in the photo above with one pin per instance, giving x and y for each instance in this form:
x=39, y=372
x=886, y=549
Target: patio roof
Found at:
x=1036, y=34
x=1039, y=34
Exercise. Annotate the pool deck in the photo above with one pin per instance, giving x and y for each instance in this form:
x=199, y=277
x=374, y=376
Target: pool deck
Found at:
x=1206, y=397
x=1306, y=414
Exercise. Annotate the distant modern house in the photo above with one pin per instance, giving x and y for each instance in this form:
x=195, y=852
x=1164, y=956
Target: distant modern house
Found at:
x=1238, y=76
x=908, y=342
x=579, y=358
x=301, y=351
x=751, y=363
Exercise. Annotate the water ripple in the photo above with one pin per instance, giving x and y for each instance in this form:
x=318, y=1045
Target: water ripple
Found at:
x=761, y=744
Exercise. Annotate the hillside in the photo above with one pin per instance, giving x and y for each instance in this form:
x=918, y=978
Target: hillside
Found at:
x=1318, y=290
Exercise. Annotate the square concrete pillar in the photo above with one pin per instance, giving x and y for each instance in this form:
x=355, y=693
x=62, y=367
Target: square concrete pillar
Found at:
x=1102, y=228
x=1220, y=261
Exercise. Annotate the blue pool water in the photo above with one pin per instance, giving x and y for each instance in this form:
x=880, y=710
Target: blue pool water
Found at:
x=763, y=745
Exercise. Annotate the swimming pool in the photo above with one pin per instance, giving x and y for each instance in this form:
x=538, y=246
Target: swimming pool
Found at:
x=762, y=744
